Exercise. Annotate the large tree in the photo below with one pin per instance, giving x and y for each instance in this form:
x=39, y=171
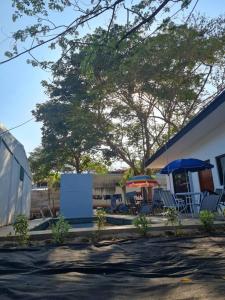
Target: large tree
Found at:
x=141, y=94
x=69, y=135
x=45, y=25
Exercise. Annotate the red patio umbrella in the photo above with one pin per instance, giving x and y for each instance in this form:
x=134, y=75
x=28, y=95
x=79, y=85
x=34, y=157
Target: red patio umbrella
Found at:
x=141, y=181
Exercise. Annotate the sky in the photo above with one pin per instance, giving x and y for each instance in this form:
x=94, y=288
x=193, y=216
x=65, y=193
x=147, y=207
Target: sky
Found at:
x=20, y=83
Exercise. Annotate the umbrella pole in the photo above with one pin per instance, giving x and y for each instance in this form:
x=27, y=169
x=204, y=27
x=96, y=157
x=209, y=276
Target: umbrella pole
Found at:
x=223, y=179
x=187, y=181
x=144, y=194
x=170, y=182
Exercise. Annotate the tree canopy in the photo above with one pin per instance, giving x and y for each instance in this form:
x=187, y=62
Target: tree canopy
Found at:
x=128, y=102
x=45, y=25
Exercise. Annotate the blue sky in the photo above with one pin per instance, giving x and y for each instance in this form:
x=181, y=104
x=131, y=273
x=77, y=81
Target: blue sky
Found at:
x=20, y=82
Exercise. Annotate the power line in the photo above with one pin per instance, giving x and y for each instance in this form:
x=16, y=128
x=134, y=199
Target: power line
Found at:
x=17, y=126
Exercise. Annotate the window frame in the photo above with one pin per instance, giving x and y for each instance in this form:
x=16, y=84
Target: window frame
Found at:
x=219, y=168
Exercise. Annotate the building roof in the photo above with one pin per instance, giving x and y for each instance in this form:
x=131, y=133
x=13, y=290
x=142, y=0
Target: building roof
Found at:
x=202, y=115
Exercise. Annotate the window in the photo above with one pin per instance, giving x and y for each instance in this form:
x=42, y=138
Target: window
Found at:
x=21, y=173
x=220, y=161
x=181, y=182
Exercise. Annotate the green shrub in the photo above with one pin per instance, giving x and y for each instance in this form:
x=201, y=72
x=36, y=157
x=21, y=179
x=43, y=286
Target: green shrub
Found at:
x=20, y=227
x=142, y=224
x=207, y=219
x=172, y=216
x=60, y=230
x=101, y=218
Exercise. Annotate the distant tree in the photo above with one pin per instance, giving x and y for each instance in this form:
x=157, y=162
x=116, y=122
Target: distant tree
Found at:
x=41, y=164
x=68, y=134
x=46, y=165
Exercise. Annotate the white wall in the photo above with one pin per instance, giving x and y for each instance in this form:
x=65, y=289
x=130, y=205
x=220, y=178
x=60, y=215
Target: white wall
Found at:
x=5, y=175
x=211, y=145
x=14, y=193
x=169, y=182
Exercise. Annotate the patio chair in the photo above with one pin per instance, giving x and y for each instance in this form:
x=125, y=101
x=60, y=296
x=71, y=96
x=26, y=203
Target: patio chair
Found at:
x=145, y=209
x=131, y=202
x=123, y=208
x=113, y=206
x=157, y=202
x=210, y=203
x=130, y=195
x=220, y=192
x=169, y=201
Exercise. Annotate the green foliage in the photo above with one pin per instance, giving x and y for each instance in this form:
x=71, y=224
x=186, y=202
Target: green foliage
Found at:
x=98, y=104
x=20, y=227
x=207, y=219
x=223, y=212
x=46, y=164
x=53, y=180
x=60, y=230
x=70, y=139
x=94, y=164
x=173, y=219
x=40, y=20
x=100, y=221
x=42, y=163
x=127, y=174
x=142, y=224
x=101, y=218
x=172, y=216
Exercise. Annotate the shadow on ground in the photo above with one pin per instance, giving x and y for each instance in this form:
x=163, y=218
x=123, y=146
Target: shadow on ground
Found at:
x=156, y=268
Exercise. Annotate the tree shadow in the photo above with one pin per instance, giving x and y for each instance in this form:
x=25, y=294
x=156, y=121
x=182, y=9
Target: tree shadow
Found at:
x=157, y=268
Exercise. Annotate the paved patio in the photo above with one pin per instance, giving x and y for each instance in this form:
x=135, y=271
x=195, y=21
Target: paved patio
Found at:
x=8, y=230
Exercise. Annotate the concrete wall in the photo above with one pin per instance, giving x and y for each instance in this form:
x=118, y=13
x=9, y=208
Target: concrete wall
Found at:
x=102, y=185
x=76, y=196
x=41, y=198
x=211, y=145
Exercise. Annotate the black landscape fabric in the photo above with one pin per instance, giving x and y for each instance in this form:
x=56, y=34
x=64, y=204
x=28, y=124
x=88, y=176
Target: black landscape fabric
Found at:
x=153, y=268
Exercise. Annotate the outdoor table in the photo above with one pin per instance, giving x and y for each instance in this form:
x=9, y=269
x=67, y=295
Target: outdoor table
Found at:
x=190, y=199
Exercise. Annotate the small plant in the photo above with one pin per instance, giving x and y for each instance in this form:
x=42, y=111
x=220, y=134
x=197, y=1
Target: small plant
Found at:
x=172, y=216
x=101, y=218
x=207, y=219
x=20, y=227
x=60, y=230
x=142, y=224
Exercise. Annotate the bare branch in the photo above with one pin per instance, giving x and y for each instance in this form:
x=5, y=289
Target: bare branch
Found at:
x=73, y=25
x=147, y=20
x=192, y=11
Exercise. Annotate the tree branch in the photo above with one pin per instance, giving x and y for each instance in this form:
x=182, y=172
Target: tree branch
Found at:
x=81, y=20
x=147, y=20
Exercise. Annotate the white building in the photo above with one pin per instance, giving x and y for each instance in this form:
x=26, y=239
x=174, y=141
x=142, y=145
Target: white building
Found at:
x=203, y=138
x=15, y=178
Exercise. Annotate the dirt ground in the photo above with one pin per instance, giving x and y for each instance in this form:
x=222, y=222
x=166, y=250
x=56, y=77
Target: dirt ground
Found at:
x=154, y=268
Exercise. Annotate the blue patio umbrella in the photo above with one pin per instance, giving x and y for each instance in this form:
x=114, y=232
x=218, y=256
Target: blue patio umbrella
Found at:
x=186, y=165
